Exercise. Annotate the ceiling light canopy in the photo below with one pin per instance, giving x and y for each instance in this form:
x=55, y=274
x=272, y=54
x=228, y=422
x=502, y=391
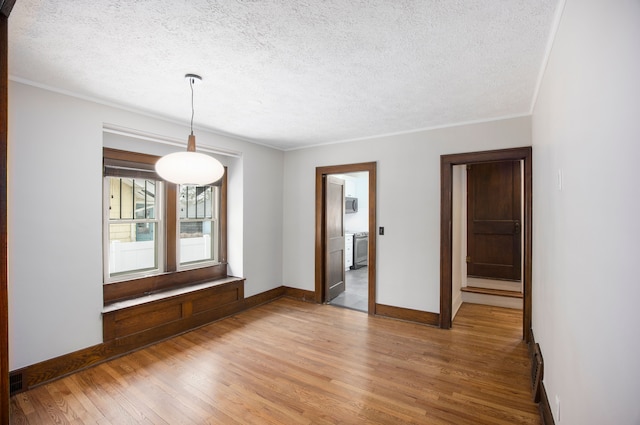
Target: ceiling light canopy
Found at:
x=190, y=167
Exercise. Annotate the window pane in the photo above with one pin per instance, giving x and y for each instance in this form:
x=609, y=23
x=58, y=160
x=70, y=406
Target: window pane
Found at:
x=207, y=205
x=126, y=198
x=200, y=201
x=182, y=201
x=196, y=241
x=120, y=198
x=114, y=198
x=151, y=199
x=132, y=247
x=129, y=198
x=187, y=201
x=196, y=202
x=140, y=198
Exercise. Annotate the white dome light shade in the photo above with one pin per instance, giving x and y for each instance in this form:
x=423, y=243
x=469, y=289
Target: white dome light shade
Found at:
x=189, y=168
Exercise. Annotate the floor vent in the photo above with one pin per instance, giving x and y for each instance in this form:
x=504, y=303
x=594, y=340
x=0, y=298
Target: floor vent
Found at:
x=15, y=383
x=537, y=369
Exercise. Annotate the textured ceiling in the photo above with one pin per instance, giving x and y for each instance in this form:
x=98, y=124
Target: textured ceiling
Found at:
x=291, y=73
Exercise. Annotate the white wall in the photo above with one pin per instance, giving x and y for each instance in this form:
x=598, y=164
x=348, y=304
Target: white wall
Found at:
x=459, y=236
x=586, y=124
x=408, y=204
x=55, y=197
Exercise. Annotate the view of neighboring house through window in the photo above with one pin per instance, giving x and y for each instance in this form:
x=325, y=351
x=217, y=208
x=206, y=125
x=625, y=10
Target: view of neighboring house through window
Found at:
x=133, y=225
x=199, y=224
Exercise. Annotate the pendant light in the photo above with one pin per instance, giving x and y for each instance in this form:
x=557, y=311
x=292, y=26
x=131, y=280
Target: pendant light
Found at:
x=190, y=167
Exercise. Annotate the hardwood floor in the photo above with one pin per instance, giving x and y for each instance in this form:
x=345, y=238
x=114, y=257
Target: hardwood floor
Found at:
x=290, y=362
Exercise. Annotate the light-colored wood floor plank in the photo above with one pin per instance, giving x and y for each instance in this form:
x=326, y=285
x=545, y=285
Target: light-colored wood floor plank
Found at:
x=289, y=362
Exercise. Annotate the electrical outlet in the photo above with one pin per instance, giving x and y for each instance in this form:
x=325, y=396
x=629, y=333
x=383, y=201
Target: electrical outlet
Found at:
x=557, y=415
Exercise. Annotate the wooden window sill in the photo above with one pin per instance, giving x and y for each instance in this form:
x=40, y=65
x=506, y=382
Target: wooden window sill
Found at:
x=167, y=294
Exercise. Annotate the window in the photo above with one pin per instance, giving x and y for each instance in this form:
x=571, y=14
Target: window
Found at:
x=158, y=235
x=198, y=227
x=132, y=228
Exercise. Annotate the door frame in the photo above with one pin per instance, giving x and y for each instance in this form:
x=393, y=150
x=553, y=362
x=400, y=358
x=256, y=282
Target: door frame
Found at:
x=446, y=229
x=5, y=11
x=320, y=241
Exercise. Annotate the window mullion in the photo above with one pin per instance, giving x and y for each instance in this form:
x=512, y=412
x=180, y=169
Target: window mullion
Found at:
x=146, y=213
x=120, y=200
x=171, y=217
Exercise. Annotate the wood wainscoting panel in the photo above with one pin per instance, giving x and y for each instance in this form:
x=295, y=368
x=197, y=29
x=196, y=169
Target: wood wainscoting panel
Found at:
x=175, y=311
x=145, y=317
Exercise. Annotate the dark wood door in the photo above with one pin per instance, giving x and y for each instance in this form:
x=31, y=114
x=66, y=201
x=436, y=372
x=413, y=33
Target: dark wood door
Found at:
x=493, y=220
x=334, y=233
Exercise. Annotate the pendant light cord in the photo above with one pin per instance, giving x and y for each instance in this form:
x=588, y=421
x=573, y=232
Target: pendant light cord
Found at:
x=192, y=110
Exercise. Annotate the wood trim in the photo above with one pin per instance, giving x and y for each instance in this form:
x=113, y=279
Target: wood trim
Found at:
x=300, y=294
x=370, y=167
x=446, y=243
x=5, y=10
x=4, y=296
x=446, y=250
x=528, y=244
x=263, y=297
x=531, y=343
x=539, y=393
x=544, y=407
x=171, y=228
x=319, y=240
x=129, y=156
x=494, y=292
x=373, y=236
x=537, y=372
x=118, y=291
x=408, y=314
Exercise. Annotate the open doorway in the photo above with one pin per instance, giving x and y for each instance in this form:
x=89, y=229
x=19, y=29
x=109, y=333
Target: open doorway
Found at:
x=487, y=238
x=345, y=239
x=447, y=163
x=354, y=290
